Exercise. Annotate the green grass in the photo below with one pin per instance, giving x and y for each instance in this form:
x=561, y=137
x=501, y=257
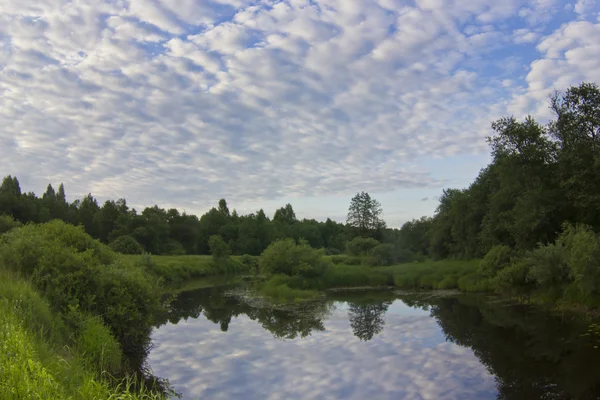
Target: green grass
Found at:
x=38, y=360
x=277, y=289
x=444, y=274
x=177, y=269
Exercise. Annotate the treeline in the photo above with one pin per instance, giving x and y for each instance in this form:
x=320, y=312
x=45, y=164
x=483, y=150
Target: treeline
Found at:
x=540, y=178
x=170, y=232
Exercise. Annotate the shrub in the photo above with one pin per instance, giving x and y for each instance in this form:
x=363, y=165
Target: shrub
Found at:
x=549, y=266
x=496, y=259
x=332, y=251
x=384, y=254
x=250, y=261
x=126, y=245
x=404, y=256
x=218, y=248
x=286, y=257
x=74, y=271
x=277, y=288
x=514, y=276
x=360, y=246
x=7, y=223
x=127, y=300
x=582, y=256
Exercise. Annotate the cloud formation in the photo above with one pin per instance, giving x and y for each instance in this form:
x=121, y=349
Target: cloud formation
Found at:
x=183, y=102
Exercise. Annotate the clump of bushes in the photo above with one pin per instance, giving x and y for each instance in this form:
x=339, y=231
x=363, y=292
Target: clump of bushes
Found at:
x=76, y=272
x=361, y=246
x=495, y=260
x=7, y=223
x=286, y=257
x=126, y=244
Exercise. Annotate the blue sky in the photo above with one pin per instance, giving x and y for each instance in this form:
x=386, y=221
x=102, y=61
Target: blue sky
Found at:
x=182, y=102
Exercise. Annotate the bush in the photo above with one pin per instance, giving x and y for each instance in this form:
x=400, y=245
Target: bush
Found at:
x=126, y=245
x=496, y=259
x=288, y=258
x=583, y=257
x=7, y=223
x=218, y=248
x=384, y=254
x=74, y=271
x=250, y=261
x=514, y=276
x=549, y=266
x=332, y=251
x=360, y=246
x=127, y=300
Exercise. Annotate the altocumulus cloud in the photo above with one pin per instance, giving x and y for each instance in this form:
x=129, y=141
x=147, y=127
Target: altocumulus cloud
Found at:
x=181, y=102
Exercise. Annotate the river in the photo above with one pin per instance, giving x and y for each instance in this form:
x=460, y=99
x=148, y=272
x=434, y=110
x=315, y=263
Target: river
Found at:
x=220, y=343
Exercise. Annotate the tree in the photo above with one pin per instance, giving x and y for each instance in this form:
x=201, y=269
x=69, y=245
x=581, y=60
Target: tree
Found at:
x=364, y=214
x=285, y=215
x=223, y=209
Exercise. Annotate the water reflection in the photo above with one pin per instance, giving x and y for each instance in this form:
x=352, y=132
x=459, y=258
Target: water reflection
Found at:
x=371, y=345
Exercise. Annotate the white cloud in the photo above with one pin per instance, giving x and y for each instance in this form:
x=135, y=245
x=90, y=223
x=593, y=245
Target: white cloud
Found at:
x=184, y=102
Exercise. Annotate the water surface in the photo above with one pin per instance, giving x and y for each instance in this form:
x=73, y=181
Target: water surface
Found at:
x=216, y=344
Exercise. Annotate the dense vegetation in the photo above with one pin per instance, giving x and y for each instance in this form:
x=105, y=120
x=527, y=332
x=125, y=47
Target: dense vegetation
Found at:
x=76, y=319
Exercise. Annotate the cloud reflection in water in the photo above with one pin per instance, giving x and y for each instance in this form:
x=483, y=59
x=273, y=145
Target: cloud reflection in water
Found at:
x=409, y=359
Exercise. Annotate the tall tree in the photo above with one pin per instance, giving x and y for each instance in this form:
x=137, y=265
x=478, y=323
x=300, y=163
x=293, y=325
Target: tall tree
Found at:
x=365, y=215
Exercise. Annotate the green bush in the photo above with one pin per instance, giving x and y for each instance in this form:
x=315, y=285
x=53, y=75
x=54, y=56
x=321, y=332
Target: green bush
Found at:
x=384, y=254
x=360, y=246
x=549, y=265
x=583, y=257
x=74, y=271
x=332, y=251
x=218, y=248
x=127, y=300
x=7, y=223
x=497, y=258
x=250, y=261
x=126, y=245
x=288, y=258
x=513, y=277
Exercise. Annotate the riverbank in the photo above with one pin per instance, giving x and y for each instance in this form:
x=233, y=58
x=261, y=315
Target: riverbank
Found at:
x=76, y=319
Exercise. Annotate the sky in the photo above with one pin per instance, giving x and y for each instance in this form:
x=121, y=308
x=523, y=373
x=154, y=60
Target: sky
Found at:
x=180, y=102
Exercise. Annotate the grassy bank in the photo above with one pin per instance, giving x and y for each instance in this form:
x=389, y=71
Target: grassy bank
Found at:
x=178, y=269
x=41, y=358
x=76, y=319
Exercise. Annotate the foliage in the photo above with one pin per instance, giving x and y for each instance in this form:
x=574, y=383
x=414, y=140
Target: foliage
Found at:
x=32, y=364
x=514, y=276
x=495, y=260
x=126, y=244
x=288, y=258
x=7, y=223
x=549, y=265
x=277, y=288
x=74, y=271
x=364, y=214
x=383, y=254
x=361, y=246
x=218, y=248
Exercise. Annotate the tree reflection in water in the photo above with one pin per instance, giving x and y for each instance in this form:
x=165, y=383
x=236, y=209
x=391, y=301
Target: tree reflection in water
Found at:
x=532, y=354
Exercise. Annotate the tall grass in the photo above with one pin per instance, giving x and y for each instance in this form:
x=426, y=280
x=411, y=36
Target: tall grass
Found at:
x=444, y=274
x=177, y=269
